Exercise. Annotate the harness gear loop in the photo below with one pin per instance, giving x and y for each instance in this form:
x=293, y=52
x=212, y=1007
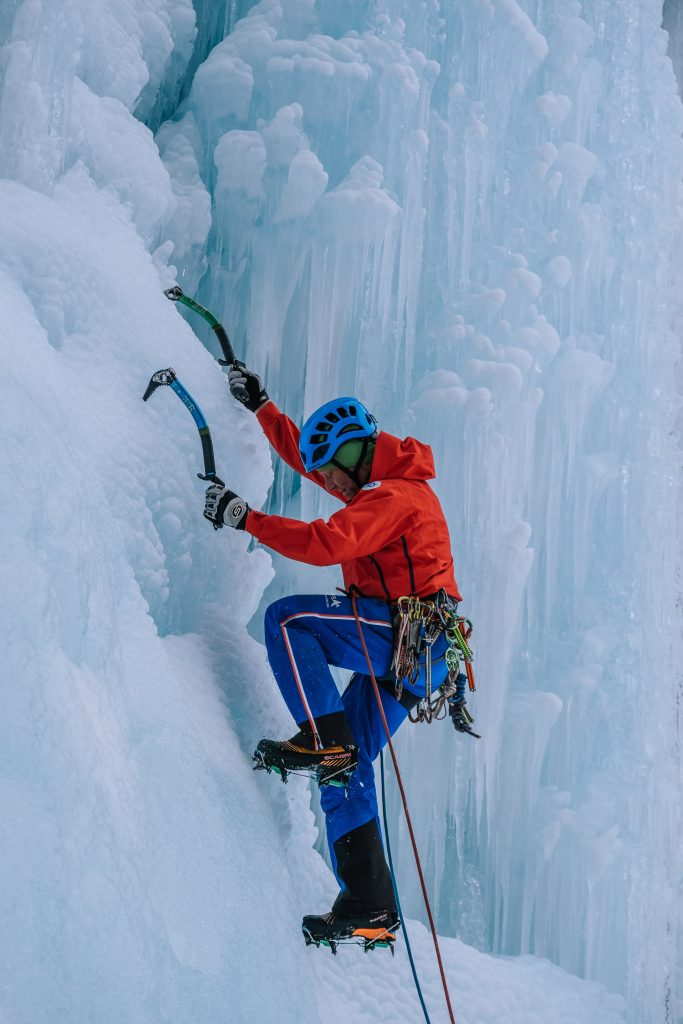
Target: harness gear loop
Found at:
x=412, y=636
x=409, y=822
x=418, y=625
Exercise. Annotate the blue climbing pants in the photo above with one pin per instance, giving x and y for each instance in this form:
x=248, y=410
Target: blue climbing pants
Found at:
x=304, y=635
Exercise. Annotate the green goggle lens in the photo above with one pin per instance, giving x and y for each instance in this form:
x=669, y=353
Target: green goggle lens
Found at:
x=347, y=456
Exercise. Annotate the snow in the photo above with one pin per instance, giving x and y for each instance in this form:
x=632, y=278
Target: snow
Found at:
x=470, y=216
x=483, y=990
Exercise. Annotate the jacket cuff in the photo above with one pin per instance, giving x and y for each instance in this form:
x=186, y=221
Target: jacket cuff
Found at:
x=250, y=521
x=267, y=412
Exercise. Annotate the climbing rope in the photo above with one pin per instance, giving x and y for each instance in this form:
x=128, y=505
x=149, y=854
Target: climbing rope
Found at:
x=405, y=809
x=395, y=885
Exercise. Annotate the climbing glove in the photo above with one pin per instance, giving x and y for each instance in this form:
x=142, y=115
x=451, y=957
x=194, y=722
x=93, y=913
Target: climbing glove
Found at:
x=240, y=379
x=224, y=508
x=460, y=716
x=457, y=708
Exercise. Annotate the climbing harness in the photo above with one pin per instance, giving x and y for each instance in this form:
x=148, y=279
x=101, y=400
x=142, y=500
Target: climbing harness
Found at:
x=399, y=780
x=418, y=625
x=168, y=376
x=176, y=294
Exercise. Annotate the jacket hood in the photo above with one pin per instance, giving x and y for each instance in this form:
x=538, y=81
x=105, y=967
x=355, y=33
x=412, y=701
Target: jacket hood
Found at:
x=406, y=459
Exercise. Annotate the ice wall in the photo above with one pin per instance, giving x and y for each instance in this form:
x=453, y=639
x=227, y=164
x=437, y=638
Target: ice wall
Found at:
x=128, y=886
x=469, y=214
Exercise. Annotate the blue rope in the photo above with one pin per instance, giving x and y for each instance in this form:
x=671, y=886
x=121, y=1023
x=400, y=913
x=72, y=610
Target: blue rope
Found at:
x=393, y=882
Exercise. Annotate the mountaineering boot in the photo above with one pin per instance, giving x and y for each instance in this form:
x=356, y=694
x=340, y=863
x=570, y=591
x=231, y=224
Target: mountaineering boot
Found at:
x=365, y=909
x=331, y=763
x=373, y=930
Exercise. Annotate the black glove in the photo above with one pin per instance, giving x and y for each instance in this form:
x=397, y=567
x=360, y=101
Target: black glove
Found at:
x=458, y=710
x=224, y=508
x=241, y=379
x=461, y=718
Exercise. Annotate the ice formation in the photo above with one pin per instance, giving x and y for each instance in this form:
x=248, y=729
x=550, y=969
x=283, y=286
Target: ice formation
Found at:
x=467, y=213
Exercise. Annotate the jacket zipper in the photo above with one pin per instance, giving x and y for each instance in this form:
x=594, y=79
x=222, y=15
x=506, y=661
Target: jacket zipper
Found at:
x=381, y=577
x=410, y=564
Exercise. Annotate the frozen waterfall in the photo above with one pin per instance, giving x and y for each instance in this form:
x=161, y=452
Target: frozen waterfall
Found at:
x=468, y=213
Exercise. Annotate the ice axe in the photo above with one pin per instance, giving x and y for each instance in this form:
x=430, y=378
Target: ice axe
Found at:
x=169, y=377
x=176, y=294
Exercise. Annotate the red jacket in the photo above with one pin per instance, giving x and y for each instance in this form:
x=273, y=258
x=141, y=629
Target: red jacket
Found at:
x=391, y=538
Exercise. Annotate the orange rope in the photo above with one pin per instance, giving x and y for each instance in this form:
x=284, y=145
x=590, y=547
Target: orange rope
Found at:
x=405, y=808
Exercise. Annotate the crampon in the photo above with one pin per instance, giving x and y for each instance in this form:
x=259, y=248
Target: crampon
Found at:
x=329, y=766
x=371, y=931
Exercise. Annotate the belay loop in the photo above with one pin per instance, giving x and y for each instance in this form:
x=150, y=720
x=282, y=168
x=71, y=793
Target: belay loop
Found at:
x=419, y=623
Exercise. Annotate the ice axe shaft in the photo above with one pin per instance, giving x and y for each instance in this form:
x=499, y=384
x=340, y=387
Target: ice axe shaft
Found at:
x=168, y=377
x=176, y=294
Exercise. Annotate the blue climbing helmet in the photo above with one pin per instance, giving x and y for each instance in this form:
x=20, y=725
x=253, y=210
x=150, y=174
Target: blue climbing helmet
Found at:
x=331, y=426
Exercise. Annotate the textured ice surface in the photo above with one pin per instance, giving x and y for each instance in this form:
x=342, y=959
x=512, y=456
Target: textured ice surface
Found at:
x=127, y=875
x=467, y=214
x=126, y=798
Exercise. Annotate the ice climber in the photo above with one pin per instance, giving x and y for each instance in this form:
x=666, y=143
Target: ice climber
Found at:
x=392, y=541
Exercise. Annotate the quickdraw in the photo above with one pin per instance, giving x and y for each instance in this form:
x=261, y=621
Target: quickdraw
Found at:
x=419, y=623
x=414, y=617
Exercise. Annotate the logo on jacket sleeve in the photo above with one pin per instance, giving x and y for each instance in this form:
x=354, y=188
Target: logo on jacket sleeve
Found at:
x=371, y=486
